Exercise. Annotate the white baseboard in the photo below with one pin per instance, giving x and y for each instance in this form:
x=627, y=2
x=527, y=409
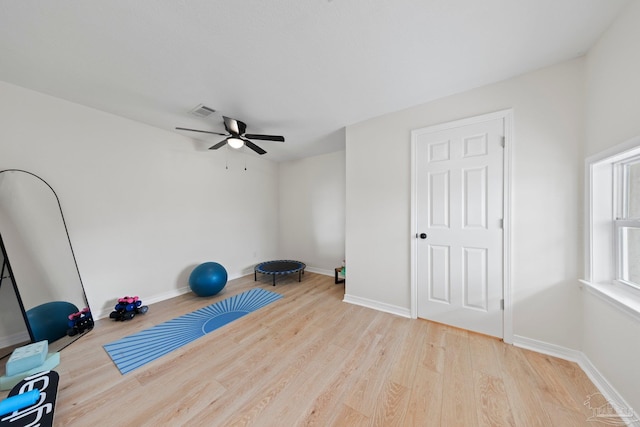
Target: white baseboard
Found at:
x=604, y=386
x=146, y=300
x=166, y=295
x=152, y=299
x=547, y=348
x=14, y=339
x=330, y=273
x=377, y=305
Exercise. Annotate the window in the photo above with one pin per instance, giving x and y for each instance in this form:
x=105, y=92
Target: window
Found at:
x=627, y=222
x=613, y=225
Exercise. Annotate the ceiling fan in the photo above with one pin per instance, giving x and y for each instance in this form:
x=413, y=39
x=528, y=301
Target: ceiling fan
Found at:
x=236, y=136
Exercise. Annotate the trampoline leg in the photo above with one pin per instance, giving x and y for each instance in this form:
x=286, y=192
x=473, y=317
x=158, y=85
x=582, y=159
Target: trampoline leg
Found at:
x=255, y=275
x=274, y=280
x=300, y=276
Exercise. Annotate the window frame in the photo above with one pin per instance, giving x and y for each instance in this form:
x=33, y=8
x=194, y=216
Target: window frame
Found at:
x=604, y=202
x=621, y=220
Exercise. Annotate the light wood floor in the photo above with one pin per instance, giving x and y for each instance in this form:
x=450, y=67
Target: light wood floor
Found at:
x=311, y=359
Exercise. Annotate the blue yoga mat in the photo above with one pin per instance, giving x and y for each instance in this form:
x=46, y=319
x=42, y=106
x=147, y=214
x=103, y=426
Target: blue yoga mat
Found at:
x=135, y=350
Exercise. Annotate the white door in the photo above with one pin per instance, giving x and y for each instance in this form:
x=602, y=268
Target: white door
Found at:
x=459, y=209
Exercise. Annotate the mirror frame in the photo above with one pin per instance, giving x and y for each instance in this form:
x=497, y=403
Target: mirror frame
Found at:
x=73, y=256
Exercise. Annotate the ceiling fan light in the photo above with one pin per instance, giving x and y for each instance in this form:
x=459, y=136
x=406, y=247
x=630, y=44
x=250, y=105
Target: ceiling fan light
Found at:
x=235, y=142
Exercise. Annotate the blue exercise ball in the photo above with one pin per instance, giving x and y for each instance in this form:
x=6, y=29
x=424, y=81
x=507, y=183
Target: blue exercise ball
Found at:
x=50, y=321
x=208, y=279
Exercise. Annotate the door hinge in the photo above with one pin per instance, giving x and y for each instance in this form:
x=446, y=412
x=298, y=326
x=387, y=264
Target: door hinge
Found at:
x=501, y=223
x=503, y=142
x=502, y=304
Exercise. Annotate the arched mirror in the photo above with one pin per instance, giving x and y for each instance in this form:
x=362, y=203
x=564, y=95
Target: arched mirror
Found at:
x=41, y=284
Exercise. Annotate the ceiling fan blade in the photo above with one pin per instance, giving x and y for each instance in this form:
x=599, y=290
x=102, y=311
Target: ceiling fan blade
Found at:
x=233, y=126
x=254, y=147
x=202, y=131
x=218, y=145
x=277, y=138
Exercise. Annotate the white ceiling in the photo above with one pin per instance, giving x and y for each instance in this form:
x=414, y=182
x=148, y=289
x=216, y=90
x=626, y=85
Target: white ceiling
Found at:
x=300, y=68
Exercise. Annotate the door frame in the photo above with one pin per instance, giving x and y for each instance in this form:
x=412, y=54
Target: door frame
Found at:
x=507, y=116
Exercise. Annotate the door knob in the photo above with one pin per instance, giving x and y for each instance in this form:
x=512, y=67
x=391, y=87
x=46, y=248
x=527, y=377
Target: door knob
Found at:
x=422, y=235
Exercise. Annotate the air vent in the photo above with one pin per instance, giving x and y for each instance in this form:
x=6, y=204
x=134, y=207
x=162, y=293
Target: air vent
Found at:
x=202, y=111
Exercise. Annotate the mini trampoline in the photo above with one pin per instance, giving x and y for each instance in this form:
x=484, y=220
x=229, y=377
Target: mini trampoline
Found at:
x=279, y=267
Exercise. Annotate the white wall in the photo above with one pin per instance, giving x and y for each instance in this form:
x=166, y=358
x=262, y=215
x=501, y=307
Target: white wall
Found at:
x=546, y=198
x=143, y=205
x=312, y=211
x=613, y=83
x=612, y=338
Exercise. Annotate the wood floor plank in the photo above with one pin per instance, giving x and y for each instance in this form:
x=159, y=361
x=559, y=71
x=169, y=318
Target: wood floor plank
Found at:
x=492, y=401
x=433, y=357
x=548, y=378
x=425, y=399
x=410, y=354
x=297, y=401
x=348, y=374
x=582, y=389
x=483, y=358
x=519, y=379
x=309, y=359
x=391, y=405
x=458, y=396
x=374, y=366
x=347, y=416
x=570, y=387
x=251, y=413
